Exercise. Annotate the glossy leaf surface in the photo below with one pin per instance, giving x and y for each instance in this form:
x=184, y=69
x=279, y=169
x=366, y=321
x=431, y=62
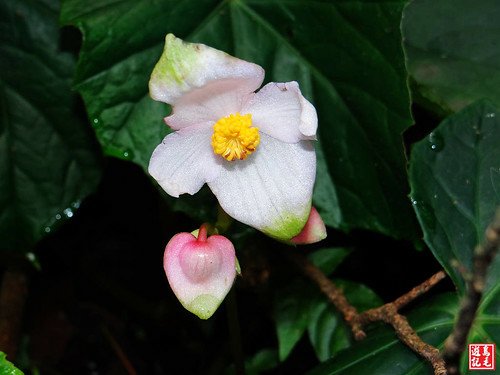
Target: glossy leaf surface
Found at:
x=300, y=307
x=381, y=353
x=453, y=186
x=48, y=159
x=346, y=55
x=453, y=51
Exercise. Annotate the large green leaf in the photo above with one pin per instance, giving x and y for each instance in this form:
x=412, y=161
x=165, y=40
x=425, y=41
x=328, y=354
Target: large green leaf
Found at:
x=453, y=51
x=327, y=331
x=48, y=161
x=381, y=353
x=300, y=307
x=292, y=307
x=346, y=55
x=453, y=186
x=295, y=303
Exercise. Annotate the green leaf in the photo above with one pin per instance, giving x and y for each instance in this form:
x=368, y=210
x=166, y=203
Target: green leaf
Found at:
x=347, y=56
x=264, y=360
x=300, y=307
x=453, y=191
x=328, y=259
x=452, y=50
x=327, y=331
x=294, y=303
x=292, y=307
x=454, y=199
x=48, y=161
x=381, y=353
x=7, y=368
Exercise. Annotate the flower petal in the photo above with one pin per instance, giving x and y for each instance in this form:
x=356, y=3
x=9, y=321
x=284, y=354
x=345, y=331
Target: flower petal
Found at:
x=217, y=99
x=200, y=273
x=314, y=230
x=184, y=67
x=184, y=161
x=280, y=110
x=271, y=190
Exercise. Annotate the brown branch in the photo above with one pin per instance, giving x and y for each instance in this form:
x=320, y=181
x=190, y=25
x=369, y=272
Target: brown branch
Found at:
x=387, y=313
x=419, y=290
x=12, y=299
x=334, y=294
x=119, y=352
x=483, y=256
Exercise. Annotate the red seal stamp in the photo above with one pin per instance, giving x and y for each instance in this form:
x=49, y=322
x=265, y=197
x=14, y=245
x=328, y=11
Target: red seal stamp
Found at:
x=482, y=357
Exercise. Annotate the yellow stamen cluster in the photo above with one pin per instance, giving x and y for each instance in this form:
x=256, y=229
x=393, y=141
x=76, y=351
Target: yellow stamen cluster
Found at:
x=234, y=137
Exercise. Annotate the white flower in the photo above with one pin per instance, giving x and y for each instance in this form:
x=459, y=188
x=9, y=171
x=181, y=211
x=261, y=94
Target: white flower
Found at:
x=253, y=149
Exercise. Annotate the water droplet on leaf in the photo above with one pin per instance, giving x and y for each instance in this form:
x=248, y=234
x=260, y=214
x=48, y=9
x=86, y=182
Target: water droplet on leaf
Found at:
x=436, y=142
x=128, y=155
x=68, y=212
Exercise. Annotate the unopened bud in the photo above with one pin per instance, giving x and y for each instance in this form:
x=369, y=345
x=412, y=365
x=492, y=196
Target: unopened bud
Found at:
x=200, y=270
x=313, y=231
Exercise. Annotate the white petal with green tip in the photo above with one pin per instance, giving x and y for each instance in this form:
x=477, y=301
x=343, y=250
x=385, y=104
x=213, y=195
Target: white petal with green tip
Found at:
x=184, y=68
x=271, y=190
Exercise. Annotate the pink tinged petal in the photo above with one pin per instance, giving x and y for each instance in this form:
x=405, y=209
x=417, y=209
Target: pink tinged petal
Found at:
x=184, y=68
x=184, y=161
x=271, y=190
x=314, y=230
x=200, y=271
x=280, y=110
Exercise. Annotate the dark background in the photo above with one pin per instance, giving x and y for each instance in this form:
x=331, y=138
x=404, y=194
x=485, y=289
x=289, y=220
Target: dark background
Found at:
x=101, y=294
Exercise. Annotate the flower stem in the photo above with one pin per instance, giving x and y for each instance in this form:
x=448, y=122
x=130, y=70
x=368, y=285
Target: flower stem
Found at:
x=235, y=333
x=12, y=300
x=202, y=233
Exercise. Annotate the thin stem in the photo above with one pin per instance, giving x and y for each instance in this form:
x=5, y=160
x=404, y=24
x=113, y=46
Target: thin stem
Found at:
x=483, y=256
x=387, y=313
x=235, y=333
x=419, y=290
x=120, y=353
x=333, y=293
x=202, y=233
x=12, y=300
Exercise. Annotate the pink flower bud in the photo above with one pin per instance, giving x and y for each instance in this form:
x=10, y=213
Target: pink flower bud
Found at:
x=200, y=270
x=313, y=231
